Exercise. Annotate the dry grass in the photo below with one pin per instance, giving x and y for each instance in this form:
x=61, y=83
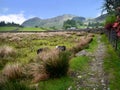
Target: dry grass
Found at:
x=36, y=71
x=3, y=79
x=7, y=51
x=48, y=64
x=16, y=39
x=40, y=77
x=49, y=55
x=90, y=35
x=81, y=44
x=12, y=71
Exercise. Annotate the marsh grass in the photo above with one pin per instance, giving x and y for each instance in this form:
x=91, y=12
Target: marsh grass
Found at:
x=56, y=63
x=82, y=43
x=49, y=64
x=7, y=51
x=12, y=71
x=36, y=72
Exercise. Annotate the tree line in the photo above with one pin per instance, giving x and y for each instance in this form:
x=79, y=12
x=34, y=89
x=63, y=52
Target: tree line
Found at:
x=2, y=23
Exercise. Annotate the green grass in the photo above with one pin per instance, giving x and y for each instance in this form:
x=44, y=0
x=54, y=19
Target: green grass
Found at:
x=93, y=45
x=31, y=29
x=112, y=66
x=7, y=28
x=62, y=83
x=14, y=85
x=11, y=28
x=79, y=63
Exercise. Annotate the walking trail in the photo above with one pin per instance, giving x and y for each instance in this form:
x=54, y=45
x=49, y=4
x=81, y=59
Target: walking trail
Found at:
x=94, y=77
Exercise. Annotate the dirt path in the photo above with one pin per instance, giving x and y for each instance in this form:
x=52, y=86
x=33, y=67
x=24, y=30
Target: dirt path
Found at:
x=94, y=77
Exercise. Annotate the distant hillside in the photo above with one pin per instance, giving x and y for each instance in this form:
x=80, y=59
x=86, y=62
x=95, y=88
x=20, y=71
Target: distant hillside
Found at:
x=32, y=22
x=78, y=19
x=100, y=18
x=51, y=22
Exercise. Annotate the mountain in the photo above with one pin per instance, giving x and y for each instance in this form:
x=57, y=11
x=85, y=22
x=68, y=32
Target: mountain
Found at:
x=56, y=22
x=32, y=22
x=100, y=18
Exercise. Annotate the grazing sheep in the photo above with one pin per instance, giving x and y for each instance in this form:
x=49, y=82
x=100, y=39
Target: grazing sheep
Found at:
x=39, y=50
x=61, y=48
x=42, y=49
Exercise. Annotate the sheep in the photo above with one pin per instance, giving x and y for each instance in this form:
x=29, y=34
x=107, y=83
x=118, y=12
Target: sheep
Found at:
x=39, y=50
x=42, y=49
x=61, y=48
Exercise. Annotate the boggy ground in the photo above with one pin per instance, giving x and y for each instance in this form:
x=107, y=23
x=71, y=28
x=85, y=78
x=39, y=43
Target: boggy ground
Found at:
x=24, y=46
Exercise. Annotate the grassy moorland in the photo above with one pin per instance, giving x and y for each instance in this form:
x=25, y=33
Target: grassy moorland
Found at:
x=7, y=28
x=33, y=29
x=21, y=68
x=12, y=28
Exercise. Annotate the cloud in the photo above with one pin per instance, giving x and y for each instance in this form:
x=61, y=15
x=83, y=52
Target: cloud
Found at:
x=16, y=18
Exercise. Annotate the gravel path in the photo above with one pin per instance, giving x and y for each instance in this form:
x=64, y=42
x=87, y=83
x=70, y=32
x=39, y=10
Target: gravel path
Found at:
x=94, y=77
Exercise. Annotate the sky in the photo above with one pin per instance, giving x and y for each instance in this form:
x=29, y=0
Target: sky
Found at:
x=20, y=10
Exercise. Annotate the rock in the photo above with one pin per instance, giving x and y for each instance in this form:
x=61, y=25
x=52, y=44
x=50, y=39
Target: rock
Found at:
x=70, y=88
x=91, y=74
x=79, y=76
x=102, y=81
x=82, y=53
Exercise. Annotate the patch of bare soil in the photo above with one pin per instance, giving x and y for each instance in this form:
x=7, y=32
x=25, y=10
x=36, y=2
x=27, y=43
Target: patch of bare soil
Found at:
x=94, y=77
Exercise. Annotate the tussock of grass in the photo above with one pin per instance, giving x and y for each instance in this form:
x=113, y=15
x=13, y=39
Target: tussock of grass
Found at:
x=3, y=79
x=48, y=64
x=7, y=51
x=90, y=35
x=56, y=63
x=36, y=71
x=81, y=44
x=12, y=71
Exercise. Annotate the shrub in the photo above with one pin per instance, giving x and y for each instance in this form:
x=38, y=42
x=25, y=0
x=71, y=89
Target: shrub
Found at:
x=7, y=51
x=110, y=18
x=55, y=63
x=12, y=71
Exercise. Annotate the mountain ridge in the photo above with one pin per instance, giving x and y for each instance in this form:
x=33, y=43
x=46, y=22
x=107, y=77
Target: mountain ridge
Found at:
x=57, y=21
x=50, y=22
